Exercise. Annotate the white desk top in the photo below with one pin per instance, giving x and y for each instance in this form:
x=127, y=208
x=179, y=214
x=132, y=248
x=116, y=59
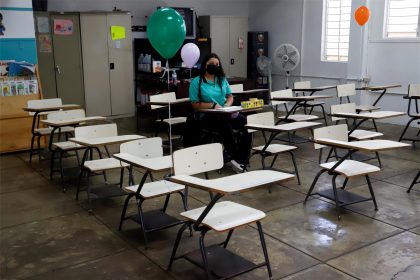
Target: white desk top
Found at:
x=59, y=123
x=165, y=103
x=293, y=126
x=103, y=141
x=376, y=88
x=235, y=183
x=51, y=108
x=250, y=91
x=370, y=115
x=314, y=89
x=229, y=110
x=366, y=145
x=151, y=164
x=301, y=98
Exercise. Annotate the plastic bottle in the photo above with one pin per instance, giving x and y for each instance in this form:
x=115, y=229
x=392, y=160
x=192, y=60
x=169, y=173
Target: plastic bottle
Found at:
x=174, y=77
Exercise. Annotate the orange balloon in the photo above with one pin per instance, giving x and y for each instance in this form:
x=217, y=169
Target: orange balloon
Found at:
x=362, y=15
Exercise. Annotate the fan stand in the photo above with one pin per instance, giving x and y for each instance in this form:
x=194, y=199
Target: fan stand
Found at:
x=287, y=79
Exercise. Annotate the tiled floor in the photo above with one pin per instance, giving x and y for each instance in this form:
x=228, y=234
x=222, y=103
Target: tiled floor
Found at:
x=46, y=234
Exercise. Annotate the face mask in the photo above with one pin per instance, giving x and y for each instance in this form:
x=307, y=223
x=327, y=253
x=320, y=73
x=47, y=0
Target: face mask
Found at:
x=212, y=69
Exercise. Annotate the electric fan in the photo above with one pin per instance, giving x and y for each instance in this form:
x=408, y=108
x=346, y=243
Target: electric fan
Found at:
x=286, y=57
x=264, y=68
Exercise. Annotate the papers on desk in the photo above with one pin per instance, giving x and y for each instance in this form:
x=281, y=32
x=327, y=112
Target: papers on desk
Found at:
x=230, y=109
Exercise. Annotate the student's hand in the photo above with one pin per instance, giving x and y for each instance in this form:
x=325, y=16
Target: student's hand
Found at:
x=217, y=106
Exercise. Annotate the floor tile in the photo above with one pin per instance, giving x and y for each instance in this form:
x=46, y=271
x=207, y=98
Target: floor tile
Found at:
x=38, y=247
x=124, y=266
x=383, y=260
x=34, y=205
x=320, y=271
x=315, y=229
x=395, y=205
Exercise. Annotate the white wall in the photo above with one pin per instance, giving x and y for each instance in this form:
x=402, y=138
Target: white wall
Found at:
x=140, y=9
x=382, y=61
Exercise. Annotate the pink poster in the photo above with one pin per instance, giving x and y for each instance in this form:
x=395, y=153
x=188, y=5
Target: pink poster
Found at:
x=63, y=27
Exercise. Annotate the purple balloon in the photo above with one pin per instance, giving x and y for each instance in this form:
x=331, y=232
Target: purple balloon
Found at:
x=190, y=54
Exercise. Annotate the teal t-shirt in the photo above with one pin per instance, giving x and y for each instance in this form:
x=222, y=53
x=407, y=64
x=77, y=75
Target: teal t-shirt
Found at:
x=210, y=91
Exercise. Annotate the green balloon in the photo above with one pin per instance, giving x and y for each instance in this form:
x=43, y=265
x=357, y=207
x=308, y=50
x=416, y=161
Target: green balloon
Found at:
x=166, y=31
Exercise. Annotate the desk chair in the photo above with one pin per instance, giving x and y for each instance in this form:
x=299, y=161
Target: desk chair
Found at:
x=346, y=168
x=347, y=90
x=311, y=104
x=358, y=134
x=99, y=165
x=64, y=146
x=267, y=118
x=43, y=131
x=170, y=121
x=293, y=117
x=413, y=95
x=225, y=216
x=145, y=149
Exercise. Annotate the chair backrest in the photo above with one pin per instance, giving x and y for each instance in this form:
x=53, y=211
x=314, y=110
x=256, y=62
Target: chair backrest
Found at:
x=163, y=97
x=144, y=148
x=303, y=84
x=346, y=90
x=66, y=115
x=96, y=131
x=266, y=118
x=198, y=159
x=342, y=108
x=281, y=93
x=237, y=88
x=41, y=103
x=414, y=90
x=334, y=132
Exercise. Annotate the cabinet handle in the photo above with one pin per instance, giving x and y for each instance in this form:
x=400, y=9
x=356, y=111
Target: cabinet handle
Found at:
x=57, y=68
x=232, y=61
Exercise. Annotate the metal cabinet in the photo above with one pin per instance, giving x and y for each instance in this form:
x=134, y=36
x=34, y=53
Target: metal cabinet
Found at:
x=229, y=41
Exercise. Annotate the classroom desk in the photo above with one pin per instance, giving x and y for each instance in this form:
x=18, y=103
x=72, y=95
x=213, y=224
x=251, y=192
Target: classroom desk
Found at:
x=300, y=101
x=383, y=88
x=312, y=90
x=220, y=261
x=377, y=115
x=152, y=220
x=96, y=143
x=341, y=196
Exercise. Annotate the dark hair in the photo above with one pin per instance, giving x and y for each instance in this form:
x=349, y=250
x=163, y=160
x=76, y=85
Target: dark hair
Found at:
x=220, y=75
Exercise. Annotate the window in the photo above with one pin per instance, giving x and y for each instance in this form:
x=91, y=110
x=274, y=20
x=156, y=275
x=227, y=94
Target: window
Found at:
x=337, y=15
x=402, y=20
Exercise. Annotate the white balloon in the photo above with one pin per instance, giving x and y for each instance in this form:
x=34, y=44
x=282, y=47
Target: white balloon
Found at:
x=190, y=54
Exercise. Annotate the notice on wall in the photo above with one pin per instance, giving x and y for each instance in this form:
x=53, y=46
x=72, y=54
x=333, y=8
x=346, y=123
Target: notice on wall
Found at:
x=44, y=43
x=63, y=27
x=43, y=25
x=117, y=32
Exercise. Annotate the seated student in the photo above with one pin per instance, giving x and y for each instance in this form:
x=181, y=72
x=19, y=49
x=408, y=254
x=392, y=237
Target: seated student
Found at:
x=211, y=90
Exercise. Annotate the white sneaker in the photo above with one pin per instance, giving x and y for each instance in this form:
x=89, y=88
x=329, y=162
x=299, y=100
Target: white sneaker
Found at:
x=238, y=168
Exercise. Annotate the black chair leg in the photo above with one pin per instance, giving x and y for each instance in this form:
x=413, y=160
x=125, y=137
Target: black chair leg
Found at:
x=127, y=200
x=176, y=244
x=204, y=253
x=379, y=159
x=323, y=113
x=372, y=194
x=414, y=182
x=264, y=247
x=32, y=148
x=143, y=226
x=313, y=184
x=405, y=130
x=337, y=204
x=295, y=166
x=52, y=164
